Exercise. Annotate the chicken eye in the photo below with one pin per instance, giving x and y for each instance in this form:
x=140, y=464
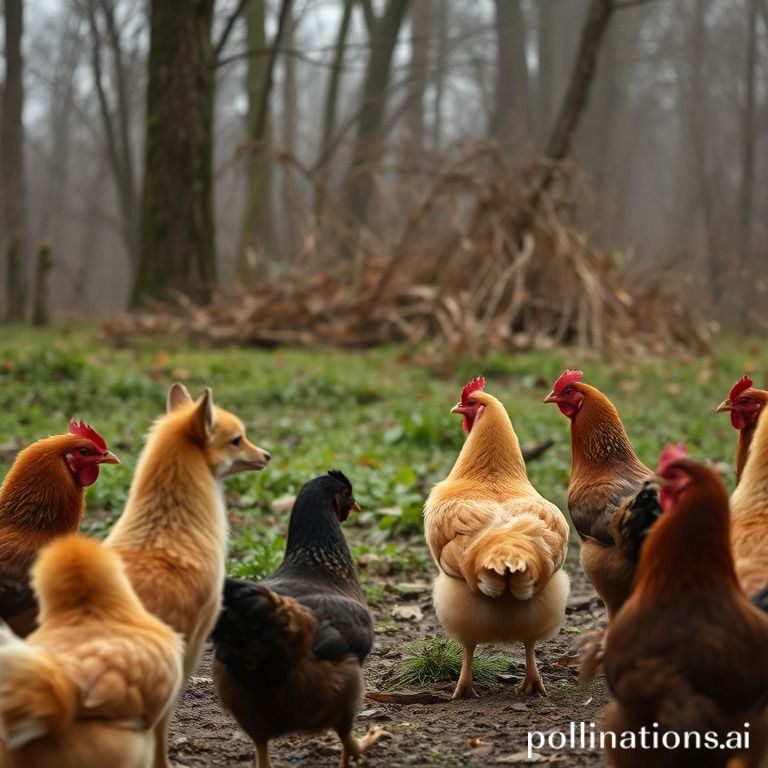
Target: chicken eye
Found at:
x=743, y=401
x=84, y=451
x=237, y=440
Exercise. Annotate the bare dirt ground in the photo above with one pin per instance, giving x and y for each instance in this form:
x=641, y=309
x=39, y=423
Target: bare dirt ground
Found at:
x=487, y=731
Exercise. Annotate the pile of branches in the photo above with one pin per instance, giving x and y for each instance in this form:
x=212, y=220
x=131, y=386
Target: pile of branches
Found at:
x=484, y=257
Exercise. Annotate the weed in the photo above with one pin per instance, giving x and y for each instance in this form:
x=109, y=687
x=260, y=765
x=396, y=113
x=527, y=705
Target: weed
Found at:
x=438, y=660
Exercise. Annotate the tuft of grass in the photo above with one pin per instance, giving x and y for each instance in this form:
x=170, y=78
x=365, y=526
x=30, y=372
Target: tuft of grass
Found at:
x=438, y=660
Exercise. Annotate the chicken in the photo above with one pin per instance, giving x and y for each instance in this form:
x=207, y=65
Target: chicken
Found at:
x=498, y=544
x=87, y=687
x=289, y=649
x=745, y=404
x=42, y=497
x=172, y=534
x=606, y=475
x=686, y=653
x=749, y=518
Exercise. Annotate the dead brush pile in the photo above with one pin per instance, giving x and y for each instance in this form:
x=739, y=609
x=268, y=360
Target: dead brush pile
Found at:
x=484, y=260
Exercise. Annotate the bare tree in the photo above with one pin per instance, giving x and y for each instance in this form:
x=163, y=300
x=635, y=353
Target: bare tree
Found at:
x=177, y=247
x=111, y=77
x=748, y=151
x=12, y=158
x=512, y=114
x=421, y=15
x=383, y=38
x=256, y=222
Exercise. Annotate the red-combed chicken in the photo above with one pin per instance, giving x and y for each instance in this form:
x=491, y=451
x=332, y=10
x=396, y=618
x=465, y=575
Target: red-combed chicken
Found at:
x=749, y=520
x=498, y=544
x=687, y=652
x=290, y=648
x=606, y=476
x=42, y=497
x=744, y=403
x=86, y=688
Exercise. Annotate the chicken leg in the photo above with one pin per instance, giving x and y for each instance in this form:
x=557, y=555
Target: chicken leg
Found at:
x=354, y=747
x=464, y=688
x=532, y=683
x=262, y=756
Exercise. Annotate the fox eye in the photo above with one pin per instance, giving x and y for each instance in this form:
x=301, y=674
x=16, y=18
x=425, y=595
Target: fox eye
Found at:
x=237, y=440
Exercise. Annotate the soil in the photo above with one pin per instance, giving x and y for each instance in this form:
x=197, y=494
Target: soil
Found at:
x=488, y=731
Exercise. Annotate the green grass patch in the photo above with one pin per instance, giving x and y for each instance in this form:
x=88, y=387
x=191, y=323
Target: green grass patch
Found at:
x=439, y=659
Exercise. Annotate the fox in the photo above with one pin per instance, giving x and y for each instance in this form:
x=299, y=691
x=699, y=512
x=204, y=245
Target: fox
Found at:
x=172, y=534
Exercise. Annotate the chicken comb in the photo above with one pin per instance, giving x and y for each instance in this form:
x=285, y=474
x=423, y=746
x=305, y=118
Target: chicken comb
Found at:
x=569, y=376
x=744, y=383
x=475, y=385
x=341, y=477
x=672, y=452
x=83, y=430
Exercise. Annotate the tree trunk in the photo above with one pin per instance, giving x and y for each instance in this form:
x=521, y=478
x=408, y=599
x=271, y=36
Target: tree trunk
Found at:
x=258, y=127
x=332, y=93
x=546, y=49
x=256, y=228
x=699, y=119
x=511, y=119
x=116, y=118
x=12, y=159
x=421, y=16
x=440, y=12
x=40, y=314
x=290, y=121
x=748, y=166
x=374, y=102
x=177, y=248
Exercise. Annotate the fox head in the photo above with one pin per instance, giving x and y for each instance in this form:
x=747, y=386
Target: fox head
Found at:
x=220, y=434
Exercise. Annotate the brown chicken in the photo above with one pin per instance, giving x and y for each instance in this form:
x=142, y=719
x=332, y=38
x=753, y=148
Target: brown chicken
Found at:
x=172, y=534
x=289, y=649
x=498, y=544
x=87, y=687
x=606, y=476
x=42, y=497
x=745, y=404
x=687, y=652
x=749, y=519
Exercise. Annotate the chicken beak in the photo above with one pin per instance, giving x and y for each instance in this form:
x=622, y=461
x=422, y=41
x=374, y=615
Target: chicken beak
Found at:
x=459, y=408
x=108, y=458
x=726, y=405
x=551, y=397
x=356, y=506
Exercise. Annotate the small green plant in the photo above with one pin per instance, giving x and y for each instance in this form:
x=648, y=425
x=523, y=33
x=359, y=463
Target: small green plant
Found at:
x=255, y=558
x=438, y=660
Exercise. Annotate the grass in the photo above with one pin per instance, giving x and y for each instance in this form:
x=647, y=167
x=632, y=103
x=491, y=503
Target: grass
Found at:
x=438, y=660
x=379, y=416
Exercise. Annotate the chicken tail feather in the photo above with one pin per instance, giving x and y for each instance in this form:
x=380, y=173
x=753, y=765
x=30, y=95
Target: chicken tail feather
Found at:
x=514, y=557
x=259, y=631
x=36, y=697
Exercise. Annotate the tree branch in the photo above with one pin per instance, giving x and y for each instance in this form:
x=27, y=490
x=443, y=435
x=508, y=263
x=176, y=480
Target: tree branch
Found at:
x=227, y=31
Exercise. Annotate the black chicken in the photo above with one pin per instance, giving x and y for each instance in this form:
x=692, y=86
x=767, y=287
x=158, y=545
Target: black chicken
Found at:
x=289, y=649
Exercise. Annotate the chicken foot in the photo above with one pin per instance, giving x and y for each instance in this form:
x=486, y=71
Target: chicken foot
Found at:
x=532, y=683
x=464, y=688
x=354, y=747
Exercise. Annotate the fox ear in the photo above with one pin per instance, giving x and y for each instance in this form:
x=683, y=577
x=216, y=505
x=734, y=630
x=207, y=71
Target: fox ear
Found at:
x=177, y=396
x=202, y=419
